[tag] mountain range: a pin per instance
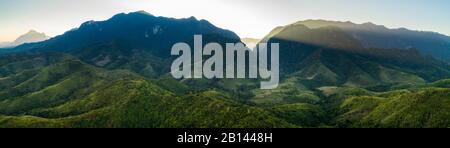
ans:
(377, 36)
(115, 73)
(330, 56)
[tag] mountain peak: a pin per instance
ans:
(35, 33)
(31, 36)
(347, 24)
(325, 21)
(32, 31)
(319, 23)
(192, 18)
(369, 23)
(372, 25)
(142, 12)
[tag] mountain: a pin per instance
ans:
(136, 41)
(329, 56)
(31, 37)
(115, 73)
(377, 36)
(140, 29)
(98, 76)
(354, 85)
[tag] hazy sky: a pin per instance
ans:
(248, 18)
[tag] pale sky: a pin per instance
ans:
(248, 18)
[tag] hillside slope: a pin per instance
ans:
(74, 94)
(427, 108)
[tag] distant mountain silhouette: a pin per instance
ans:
(31, 36)
(377, 36)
